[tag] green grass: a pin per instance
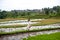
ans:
(14, 32)
(46, 22)
(37, 16)
(11, 19)
(40, 23)
(24, 31)
(25, 17)
(13, 26)
(53, 36)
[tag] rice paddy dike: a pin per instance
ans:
(17, 29)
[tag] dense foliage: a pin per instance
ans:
(35, 13)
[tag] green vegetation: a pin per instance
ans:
(35, 13)
(40, 23)
(46, 22)
(53, 36)
(13, 32)
(13, 26)
(51, 16)
(12, 19)
(25, 31)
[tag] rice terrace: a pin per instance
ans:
(29, 20)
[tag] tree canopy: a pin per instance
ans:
(55, 11)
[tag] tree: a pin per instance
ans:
(57, 9)
(3, 14)
(46, 11)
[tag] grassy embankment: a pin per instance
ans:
(26, 17)
(46, 22)
(11, 19)
(14, 26)
(31, 17)
(25, 31)
(53, 36)
(40, 23)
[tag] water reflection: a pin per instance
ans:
(32, 27)
(25, 35)
(15, 22)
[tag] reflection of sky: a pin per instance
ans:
(27, 4)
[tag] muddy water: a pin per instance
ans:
(20, 36)
(32, 27)
(13, 22)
